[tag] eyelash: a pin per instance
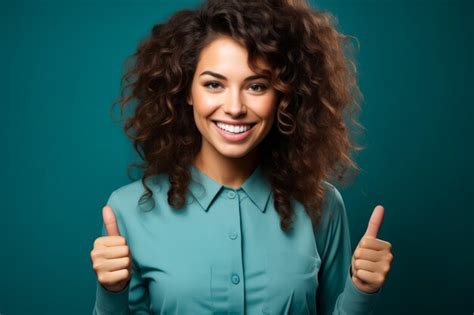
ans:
(263, 87)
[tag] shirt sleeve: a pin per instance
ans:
(134, 298)
(337, 294)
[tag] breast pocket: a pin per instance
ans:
(291, 282)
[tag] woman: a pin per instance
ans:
(239, 121)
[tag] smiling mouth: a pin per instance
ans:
(233, 129)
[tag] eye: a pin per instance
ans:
(258, 87)
(212, 85)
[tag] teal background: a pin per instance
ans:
(63, 154)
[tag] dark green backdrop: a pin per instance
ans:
(62, 155)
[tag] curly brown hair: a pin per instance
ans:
(312, 71)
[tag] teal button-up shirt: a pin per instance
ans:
(225, 253)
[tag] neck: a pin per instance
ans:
(231, 172)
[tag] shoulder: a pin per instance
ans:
(333, 203)
(126, 205)
(333, 217)
(129, 195)
(331, 193)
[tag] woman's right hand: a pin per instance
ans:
(111, 257)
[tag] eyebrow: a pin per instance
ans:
(220, 76)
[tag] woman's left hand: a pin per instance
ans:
(372, 258)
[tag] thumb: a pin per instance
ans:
(110, 222)
(375, 222)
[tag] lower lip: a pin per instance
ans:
(232, 137)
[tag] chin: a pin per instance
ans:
(234, 154)
(233, 151)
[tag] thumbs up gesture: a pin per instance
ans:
(372, 258)
(111, 257)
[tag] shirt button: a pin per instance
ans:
(233, 235)
(235, 278)
(231, 194)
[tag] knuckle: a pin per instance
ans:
(95, 253)
(102, 278)
(357, 264)
(123, 275)
(97, 266)
(127, 261)
(99, 242)
(390, 257)
(358, 252)
(380, 279)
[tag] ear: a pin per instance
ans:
(189, 100)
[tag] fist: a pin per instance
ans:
(111, 258)
(372, 258)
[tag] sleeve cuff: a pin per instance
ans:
(112, 302)
(358, 300)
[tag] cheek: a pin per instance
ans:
(204, 103)
(266, 110)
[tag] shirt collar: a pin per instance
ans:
(205, 189)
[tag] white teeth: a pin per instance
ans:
(233, 128)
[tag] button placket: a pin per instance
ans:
(236, 272)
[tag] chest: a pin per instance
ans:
(233, 259)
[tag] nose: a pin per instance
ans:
(233, 105)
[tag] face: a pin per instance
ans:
(233, 108)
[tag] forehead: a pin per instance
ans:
(226, 55)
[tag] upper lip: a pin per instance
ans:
(235, 123)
